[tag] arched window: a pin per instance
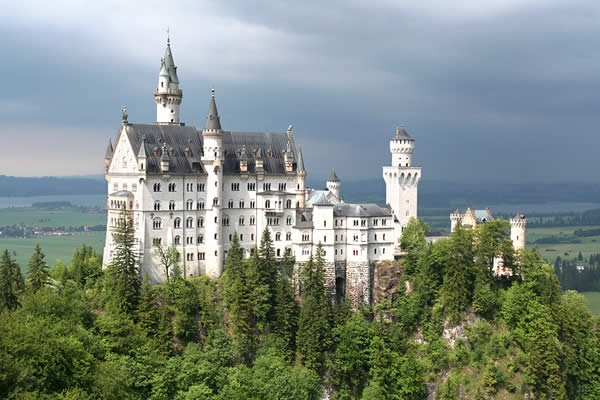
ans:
(172, 205)
(156, 223)
(200, 205)
(288, 220)
(288, 204)
(157, 205)
(268, 204)
(177, 223)
(177, 240)
(189, 205)
(216, 201)
(201, 239)
(157, 187)
(189, 223)
(201, 222)
(278, 236)
(242, 220)
(288, 236)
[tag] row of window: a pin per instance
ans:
(200, 187)
(199, 205)
(363, 222)
(125, 187)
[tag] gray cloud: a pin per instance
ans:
(493, 90)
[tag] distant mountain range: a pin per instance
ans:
(432, 194)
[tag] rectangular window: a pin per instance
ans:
(134, 187)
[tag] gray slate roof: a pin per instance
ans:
(212, 119)
(360, 210)
(109, 150)
(170, 64)
(401, 134)
(180, 137)
(333, 177)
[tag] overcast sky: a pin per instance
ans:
(491, 90)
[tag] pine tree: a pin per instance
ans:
(38, 269)
(236, 290)
(11, 283)
(147, 312)
(313, 338)
(286, 309)
(459, 276)
(123, 282)
(267, 265)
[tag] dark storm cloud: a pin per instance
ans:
(492, 91)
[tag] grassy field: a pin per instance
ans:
(593, 301)
(588, 245)
(55, 247)
(38, 216)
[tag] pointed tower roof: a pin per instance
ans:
(170, 64)
(142, 152)
(333, 177)
(300, 165)
(401, 134)
(109, 150)
(163, 69)
(213, 122)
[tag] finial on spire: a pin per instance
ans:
(124, 113)
(212, 92)
(398, 131)
(168, 37)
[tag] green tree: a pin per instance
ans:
(147, 311)
(286, 309)
(457, 288)
(351, 357)
(313, 338)
(38, 269)
(268, 265)
(11, 282)
(123, 281)
(170, 259)
(413, 242)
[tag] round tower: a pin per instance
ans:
(212, 159)
(455, 218)
(168, 95)
(518, 231)
(401, 147)
(333, 184)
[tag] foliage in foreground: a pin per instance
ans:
(76, 334)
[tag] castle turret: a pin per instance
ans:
(141, 157)
(333, 184)
(401, 181)
(168, 95)
(455, 218)
(212, 159)
(402, 147)
(300, 180)
(518, 231)
(108, 156)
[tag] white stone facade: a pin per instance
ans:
(194, 189)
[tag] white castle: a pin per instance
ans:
(194, 188)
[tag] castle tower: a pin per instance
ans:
(518, 231)
(455, 218)
(401, 181)
(168, 95)
(333, 184)
(213, 164)
(300, 180)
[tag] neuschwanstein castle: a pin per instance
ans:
(193, 188)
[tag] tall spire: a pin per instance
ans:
(300, 164)
(213, 122)
(142, 152)
(109, 150)
(169, 63)
(333, 177)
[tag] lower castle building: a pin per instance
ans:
(195, 188)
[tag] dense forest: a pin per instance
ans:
(582, 274)
(451, 330)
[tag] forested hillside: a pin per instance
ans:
(451, 330)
